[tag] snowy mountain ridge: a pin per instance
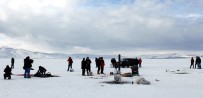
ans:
(7, 52)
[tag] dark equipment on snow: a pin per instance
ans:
(42, 73)
(128, 62)
(119, 62)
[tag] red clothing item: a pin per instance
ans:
(70, 61)
(140, 61)
(101, 63)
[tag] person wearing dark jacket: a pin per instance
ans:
(83, 66)
(136, 62)
(97, 62)
(42, 70)
(12, 63)
(98, 65)
(70, 62)
(27, 66)
(198, 62)
(134, 67)
(88, 65)
(101, 63)
(140, 62)
(113, 61)
(192, 63)
(7, 73)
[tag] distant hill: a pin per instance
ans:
(7, 52)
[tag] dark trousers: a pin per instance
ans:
(7, 75)
(88, 70)
(192, 65)
(98, 71)
(69, 66)
(102, 69)
(198, 66)
(27, 73)
(83, 71)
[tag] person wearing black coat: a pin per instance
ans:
(27, 67)
(88, 65)
(134, 67)
(42, 70)
(198, 62)
(113, 61)
(83, 66)
(7, 73)
(98, 65)
(97, 62)
(192, 63)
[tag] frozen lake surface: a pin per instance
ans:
(74, 85)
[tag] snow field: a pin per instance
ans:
(74, 85)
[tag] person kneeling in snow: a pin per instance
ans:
(7, 71)
(41, 72)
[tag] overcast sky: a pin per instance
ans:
(102, 26)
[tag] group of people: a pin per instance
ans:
(138, 62)
(27, 67)
(100, 65)
(86, 65)
(196, 63)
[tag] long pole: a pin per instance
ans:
(119, 62)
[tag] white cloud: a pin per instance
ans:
(3, 15)
(77, 26)
(21, 44)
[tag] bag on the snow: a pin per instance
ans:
(142, 81)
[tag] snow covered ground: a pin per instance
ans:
(74, 85)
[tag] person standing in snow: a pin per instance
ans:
(70, 62)
(113, 62)
(134, 67)
(192, 63)
(96, 62)
(12, 63)
(27, 66)
(83, 66)
(101, 63)
(98, 65)
(88, 65)
(198, 62)
(140, 62)
(136, 62)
